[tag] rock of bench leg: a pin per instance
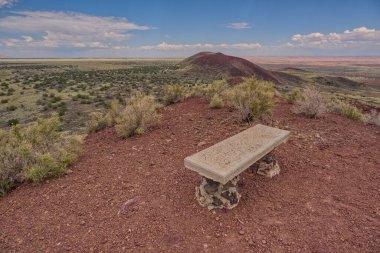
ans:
(268, 167)
(212, 194)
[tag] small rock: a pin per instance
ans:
(264, 242)
(241, 232)
(82, 222)
(202, 143)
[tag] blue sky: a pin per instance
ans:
(115, 28)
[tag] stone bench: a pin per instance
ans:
(221, 164)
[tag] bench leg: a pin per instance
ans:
(213, 194)
(268, 167)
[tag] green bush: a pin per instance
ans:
(34, 152)
(216, 102)
(346, 110)
(252, 98)
(140, 110)
(294, 95)
(313, 103)
(11, 108)
(13, 122)
(173, 93)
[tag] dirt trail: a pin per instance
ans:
(326, 199)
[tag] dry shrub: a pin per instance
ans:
(114, 113)
(294, 95)
(252, 98)
(217, 87)
(313, 103)
(140, 110)
(346, 110)
(372, 118)
(173, 93)
(97, 122)
(216, 102)
(198, 90)
(34, 152)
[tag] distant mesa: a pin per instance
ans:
(218, 66)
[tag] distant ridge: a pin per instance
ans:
(218, 65)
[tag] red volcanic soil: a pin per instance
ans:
(135, 195)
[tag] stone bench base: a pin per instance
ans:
(268, 167)
(212, 194)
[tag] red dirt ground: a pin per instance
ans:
(326, 199)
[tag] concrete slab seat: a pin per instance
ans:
(221, 164)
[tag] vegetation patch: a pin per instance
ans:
(252, 98)
(173, 93)
(372, 118)
(347, 110)
(294, 95)
(34, 152)
(313, 103)
(133, 119)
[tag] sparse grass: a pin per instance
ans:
(34, 152)
(346, 110)
(139, 111)
(313, 103)
(253, 98)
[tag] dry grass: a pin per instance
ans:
(347, 110)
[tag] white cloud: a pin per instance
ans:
(357, 37)
(207, 46)
(66, 29)
(238, 26)
(7, 2)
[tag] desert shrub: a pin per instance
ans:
(173, 93)
(216, 102)
(346, 110)
(294, 95)
(97, 122)
(252, 98)
(34, 152)
(198, 90)
(217, 87)
(4, 101)
(140, 110)
(114, 113)
(13, 122)
(11, 108)
(372, 118)
(313, 103)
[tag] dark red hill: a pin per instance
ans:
(218, 65)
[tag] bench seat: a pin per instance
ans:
(230, 157)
